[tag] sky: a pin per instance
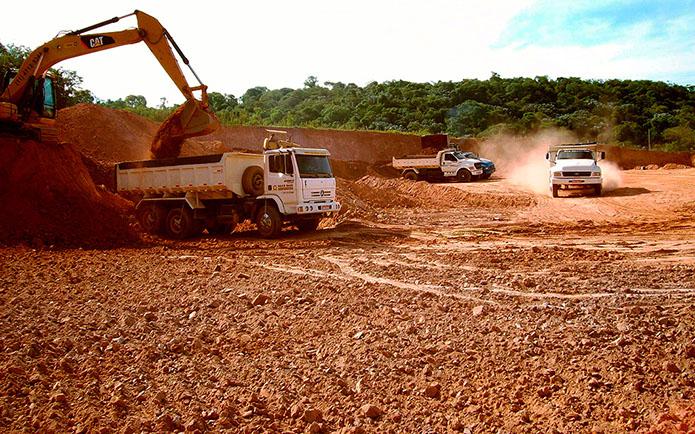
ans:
(237, 45)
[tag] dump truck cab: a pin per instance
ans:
(575, 167)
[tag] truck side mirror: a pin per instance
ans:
(547, 155)
(603, 155)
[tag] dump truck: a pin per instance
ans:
(449, 164)
(574, 167)
(181, 197)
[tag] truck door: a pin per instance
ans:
(281, 178)
(449, 164)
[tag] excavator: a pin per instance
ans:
(27, 96)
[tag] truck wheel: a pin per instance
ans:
(486, 176)
(268, 221)
(179, 223)
(597, 190)
(463, 175)
(556, 189)
(252, 180)
(411, 176)
(151, 218)
(308, 225)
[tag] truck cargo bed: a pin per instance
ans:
(207, 173)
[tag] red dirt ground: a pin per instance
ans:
(479, 307)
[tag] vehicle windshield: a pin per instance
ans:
(463, 155)
(314, 166)
(575, 155)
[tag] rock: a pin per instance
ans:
(118, 402)
(260, 300)
(314, 428)
(433, 391)
(312, 415)
(359, 386)
(478, 310)
(371, 411)
(529, 282)
(243, 276)
(192, 314)
(150, 316)
(671, 367)
(59, 397)
(296, 411)
(161, 396)
(544, 392)
(690, 352)
(218, 267)
(455, 424)
(358, 335)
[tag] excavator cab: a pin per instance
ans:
(39, 97)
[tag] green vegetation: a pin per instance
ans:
(623, 112)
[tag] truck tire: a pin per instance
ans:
(252, 181)
(151, 218)
(179, 223)
(556, 189)
(308, 225)
(597, 190)
(268, 221)
(411, 176)
(485, 176)
(463, 175)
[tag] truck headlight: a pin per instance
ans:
(595, 173)
(557, 174)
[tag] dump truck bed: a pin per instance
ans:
(207, 173)
(416, 161)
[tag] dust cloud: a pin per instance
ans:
(522, 159)
(612, 175)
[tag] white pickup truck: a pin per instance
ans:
(574, 167)
(448, 164)
(183, 196)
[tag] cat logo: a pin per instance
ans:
(96, 41)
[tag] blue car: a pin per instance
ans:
(488, 165)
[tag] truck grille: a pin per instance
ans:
(576, 173)
(317, 194)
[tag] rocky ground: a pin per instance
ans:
(507, 311)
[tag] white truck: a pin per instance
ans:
(288, 185)
(574, 167)
(448, 164)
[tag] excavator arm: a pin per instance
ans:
(193, 118)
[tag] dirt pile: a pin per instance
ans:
(104, 134)
(389, 193)
(108, 136)
(49, 197)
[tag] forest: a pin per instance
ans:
(633, 113)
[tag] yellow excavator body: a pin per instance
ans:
(19, 101)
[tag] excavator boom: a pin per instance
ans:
(193, 119)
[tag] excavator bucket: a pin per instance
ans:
(191, 119)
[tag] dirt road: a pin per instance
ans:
(509, 311)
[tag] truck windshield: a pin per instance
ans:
(575, 155)
(463, 155)
(314, 166)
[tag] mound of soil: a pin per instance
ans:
(672, 166)
(49, 197)
(104, 134)
(388, 193)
